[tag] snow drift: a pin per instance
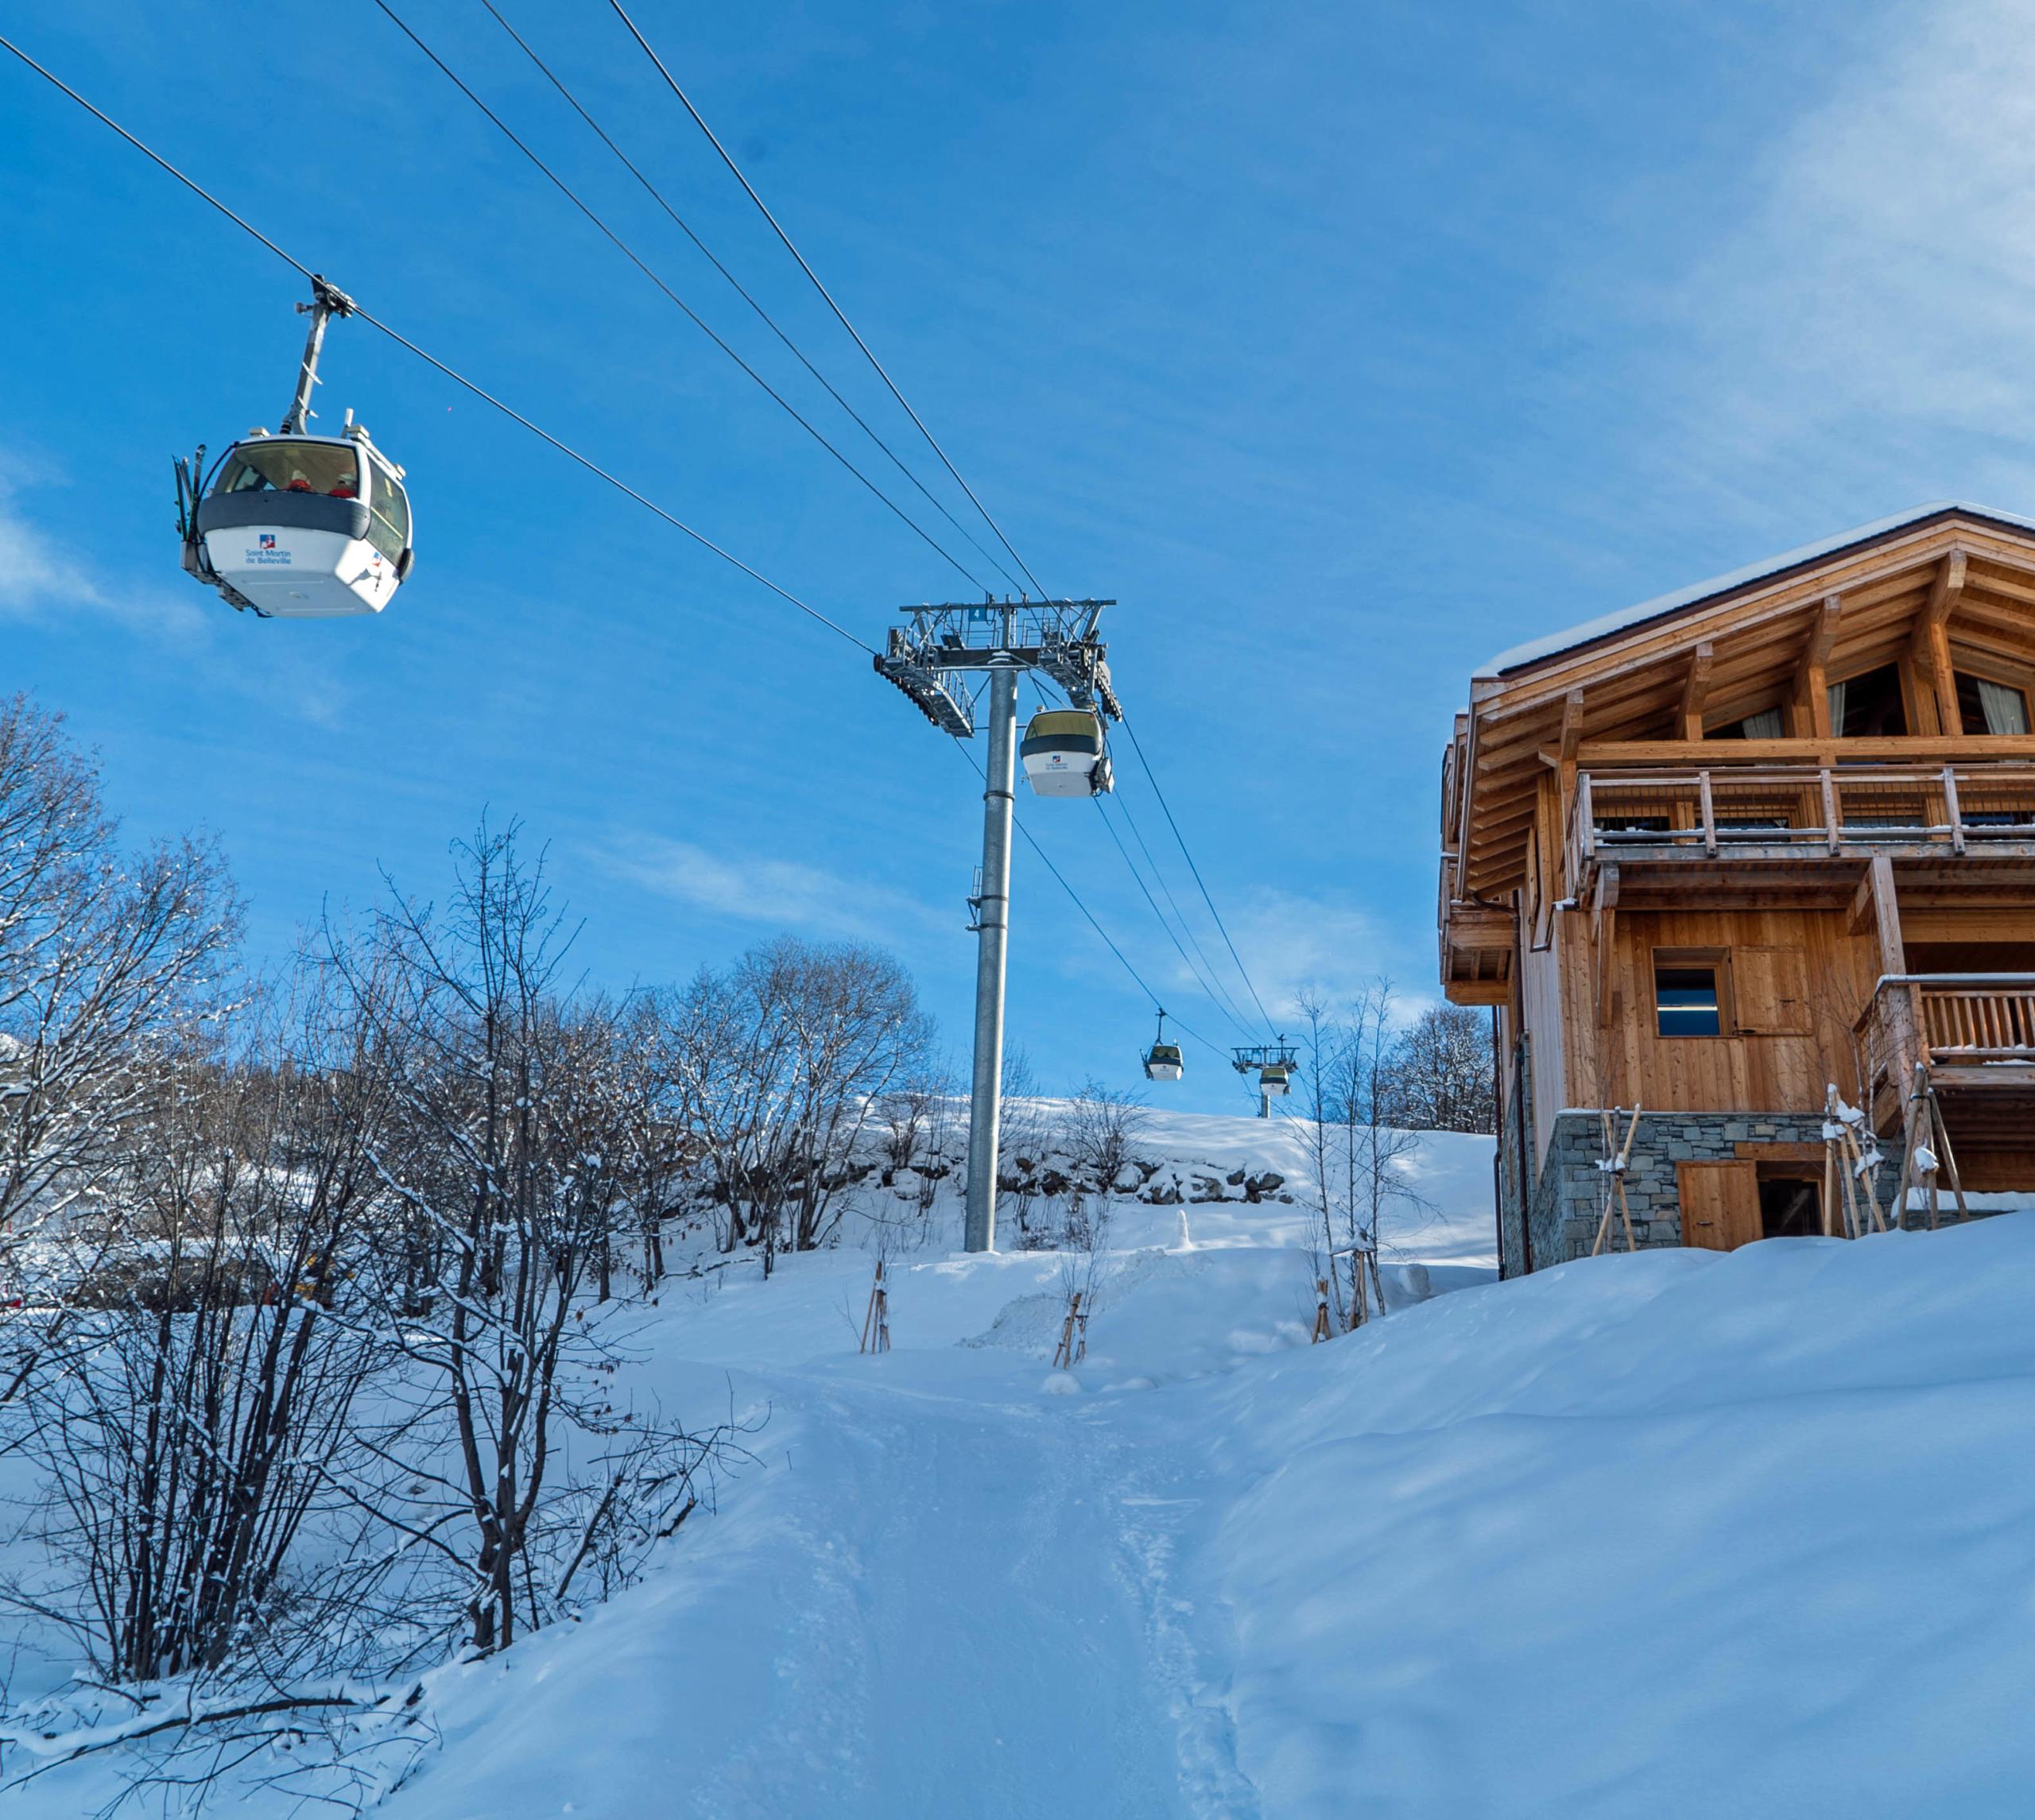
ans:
(1676, 1534)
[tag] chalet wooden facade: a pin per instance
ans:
(1716, 854)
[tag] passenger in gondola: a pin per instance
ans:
(298, 482)
(346, 489)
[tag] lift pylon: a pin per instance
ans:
(930, 658)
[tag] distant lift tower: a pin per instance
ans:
(928, 659)
(1274, 1064)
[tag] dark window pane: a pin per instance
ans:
(287, 466)
(1686, 998)
(1987, 707)
(388, 509)
(1868, 707)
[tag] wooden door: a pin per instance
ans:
(1720, 1204)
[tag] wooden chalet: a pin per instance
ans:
(1717, 854)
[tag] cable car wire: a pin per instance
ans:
(1146, 765)
(1207, 975)
(1199, 978)
(1228, 999)
(1031, 840)
(672, 82)
(649, 504)
(678, 221)
(457, 378)
(629, 253)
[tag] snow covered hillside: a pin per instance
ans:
(1681, 1534)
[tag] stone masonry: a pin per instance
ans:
(1568, 1200)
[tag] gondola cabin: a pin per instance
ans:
(1064, 754)
(1164, 1062)
(302, 527)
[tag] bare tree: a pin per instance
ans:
(1441, 1072)
(1100, 1130)
(511, 1131)
(107, 960)
(196, 1426)
(916, 1118)
(1324, 1044)
(1023, 1133)
(660, 1146)
(785, 1059)
(1375, 1151)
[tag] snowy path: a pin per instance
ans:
(949, 1599)
(990, 1650)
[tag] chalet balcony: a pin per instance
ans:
(1789, 815)
(1976, 1034)
(1476, 945)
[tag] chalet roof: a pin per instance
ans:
(1625, 619)
(1945, 580)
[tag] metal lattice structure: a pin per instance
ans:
(930, 657)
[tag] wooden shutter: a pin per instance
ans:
(1720, 1204)
(1770, 992)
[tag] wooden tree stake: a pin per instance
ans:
(1073, 1337)
(1614, 1166)
(876, 1323)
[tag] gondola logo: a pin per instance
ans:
(265, 550)
(268, 540)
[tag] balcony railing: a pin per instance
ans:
(1983, 1025)
(1790, 811)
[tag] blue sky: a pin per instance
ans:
(1342, 345)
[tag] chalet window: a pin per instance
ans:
(1868, 707)
(1767, 724)
(1987, 707)
(1688, 994)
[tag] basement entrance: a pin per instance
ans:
(1726, 1205)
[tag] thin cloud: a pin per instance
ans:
(40, 581)
(750, 888)
(1293, 943)
(31, 574)
(1874, 307)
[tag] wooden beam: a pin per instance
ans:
(1859, 918)
(1604, 933)
(1811, 692)
(1572, 727)
(1886, 915)
(1921, 752)
(1930, 647)
(1695, 689)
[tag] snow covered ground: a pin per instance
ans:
(1680, 1533)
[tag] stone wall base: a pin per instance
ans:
(1568, 1199)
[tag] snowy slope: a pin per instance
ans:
(1673, 1535)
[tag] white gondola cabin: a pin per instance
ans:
(304, 527)
(1063, 753)
(1163, 1061)
(299, 526)
(1275, 1080)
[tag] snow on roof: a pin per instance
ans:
(1535, 649)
